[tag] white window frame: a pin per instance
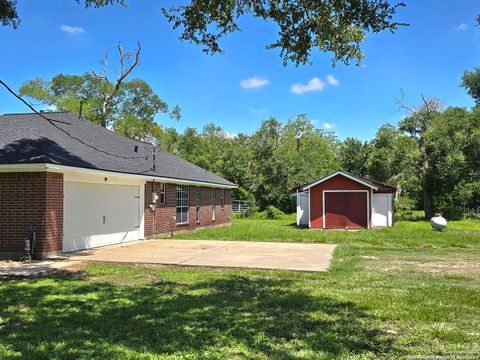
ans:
(163, 197)
(222, 199)
(184, 191)
(197, 204)
(214, 203)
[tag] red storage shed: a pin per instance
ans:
(344, 201)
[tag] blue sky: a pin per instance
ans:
(249, 83)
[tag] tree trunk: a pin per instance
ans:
(398, 193)
(428, 203)
(105, 103)
(427, 192)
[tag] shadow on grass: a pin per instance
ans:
(63, 317)
(294, 225)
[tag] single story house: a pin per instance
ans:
(78, 185)
(344, 201)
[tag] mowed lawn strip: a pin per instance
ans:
(461, 234)
(389, 294)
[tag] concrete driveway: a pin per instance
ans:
(236, 254)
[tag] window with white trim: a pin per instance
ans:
(182, 204)
(197, 204)
(162, 193)
(214, 203)
(222, 199)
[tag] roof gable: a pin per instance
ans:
(341, 173)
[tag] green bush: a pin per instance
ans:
(409, 215)
(273, 213)
(452, 213)
(472, 216)
(406, 203)
(251, 211)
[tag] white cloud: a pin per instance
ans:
(72, 29)
(254, 82)
(230, 136)
(314, 84)
(332, 80)
(329, 125)
(461, 27)
(257, 110)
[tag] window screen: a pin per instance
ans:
(182, 204)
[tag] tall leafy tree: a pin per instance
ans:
(471, 83)
(353, 156)
(453, 141)
(471, 80)
(127, 105)
(287, 155)
(394, 158)
(417, 124)
(338, 27)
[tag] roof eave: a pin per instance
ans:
(60, 168)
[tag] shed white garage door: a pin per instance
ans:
(100, 214)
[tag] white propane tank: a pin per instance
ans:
(438, 222)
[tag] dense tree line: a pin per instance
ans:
(432, 156)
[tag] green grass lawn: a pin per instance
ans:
(391, 293)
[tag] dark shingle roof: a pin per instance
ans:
(28, 138)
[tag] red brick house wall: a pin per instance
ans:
(36, 199)
(165, 213)
(338, 182)
(31, 199)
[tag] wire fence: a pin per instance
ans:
(473, 212)
(239, 206)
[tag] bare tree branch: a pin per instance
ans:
(401, 104)
(103, 77)
(125, 70)
(124, 73)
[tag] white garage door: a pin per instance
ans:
(100, 214)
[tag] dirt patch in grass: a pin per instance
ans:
(436, 267)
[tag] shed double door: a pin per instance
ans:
(346, 210)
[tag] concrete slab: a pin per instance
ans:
(13, 269)
(236, 254)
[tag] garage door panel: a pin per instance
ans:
(335, 210)
(356, 210)
(99, 215)
(345, 210)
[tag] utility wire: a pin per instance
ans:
(53, 121)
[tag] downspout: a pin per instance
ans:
(153, 203)
(154, 208)
(30, 240)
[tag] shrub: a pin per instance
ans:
(472, 216)
(409, 215)
(452, 213)
(406, 203)
(251, 211)
(273, 213)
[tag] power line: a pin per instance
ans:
(53, 121)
